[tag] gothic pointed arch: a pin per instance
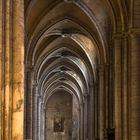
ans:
(66, 46)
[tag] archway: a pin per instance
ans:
(65, 54)
(58, 116)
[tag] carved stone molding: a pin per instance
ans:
(130, 32)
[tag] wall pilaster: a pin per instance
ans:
(11, 69)
(135, 86)
(102, 100)
(121, 87)
(18, 69)
(1, 97)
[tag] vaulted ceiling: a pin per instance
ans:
(66, 40)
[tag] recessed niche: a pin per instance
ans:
(58, 124)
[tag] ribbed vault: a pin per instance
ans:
(70, 60)
(66, 42)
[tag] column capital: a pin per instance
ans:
(134, 31)
(120, 35)
(81, 104)
(125, 34)
(35, 83)
(85, 94)
(85, 97)
(39, 96)
(102, 67)
(29, 68)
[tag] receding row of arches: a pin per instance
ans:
(67, 70)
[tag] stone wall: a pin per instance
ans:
(124, 89)
(59, 107)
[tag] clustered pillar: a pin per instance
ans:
(11, 69)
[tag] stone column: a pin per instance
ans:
(81, 121)
(28, 102)
(107, 96)
(121, 86)
(125, 88)
(42, 121)
(39, 118)
(135, 85)
(34, 110)
(118, 87)
(85, 115)
(8, 72)
(7, 69)
(11, 69)
(1, 55)
(102, 100)
(111, 89)
(91, 112)
(134, 60)
(96, 111)
(18, 69)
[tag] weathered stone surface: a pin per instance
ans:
(92, 35)
(59, 107)
(11, 94)
(135, 88)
